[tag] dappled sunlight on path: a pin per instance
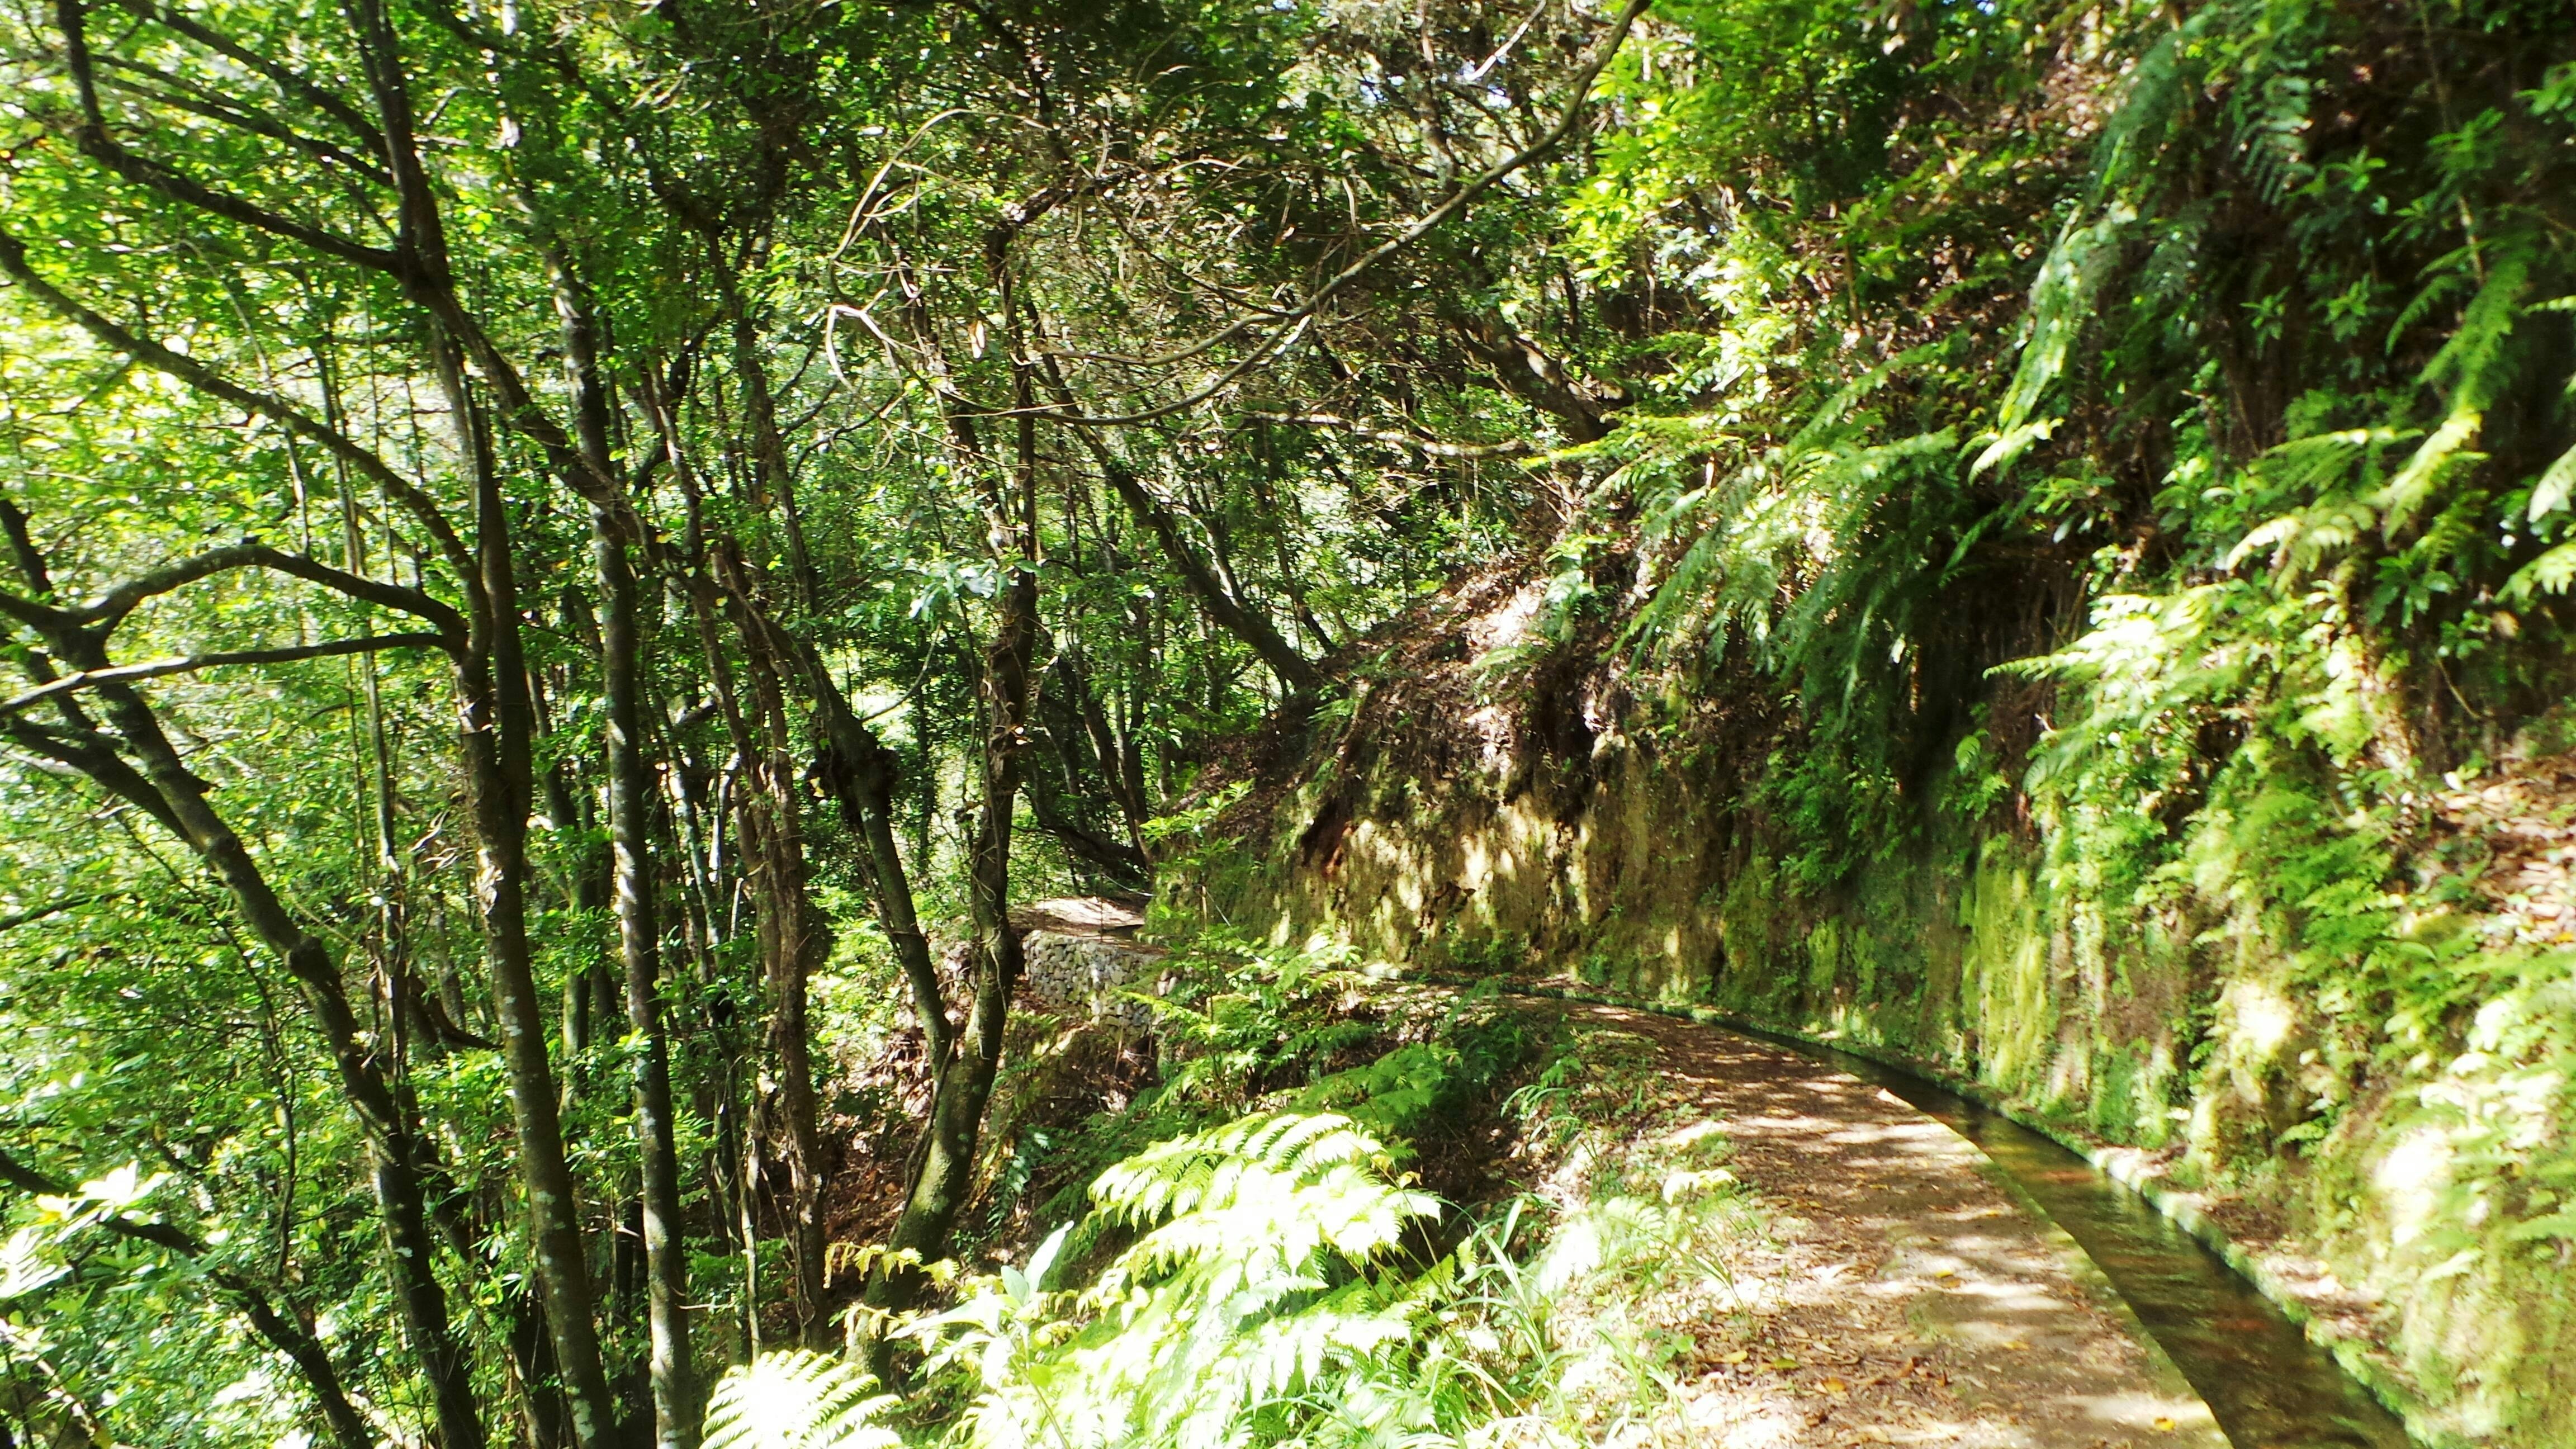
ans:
(1908, 1296)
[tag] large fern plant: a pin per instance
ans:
(798, 1400)
(1271, 1291)
(1264, 1301)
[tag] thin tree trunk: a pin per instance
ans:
(498, 772)
(860, 773)
(925, 805)
(734, 1150)
(793, 931)
(1125, 773)
(965, 1082)
(630, 836)
(532, 1370)
(494, 723)
(851, 762)
(965, 1085)
(1229, 612)
(792, 935)
(630, 794)
(580, 1019)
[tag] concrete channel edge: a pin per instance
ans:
(2120, 1164)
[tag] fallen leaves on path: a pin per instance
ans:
(1885, 1291)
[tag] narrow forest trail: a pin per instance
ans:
(1906, 1295)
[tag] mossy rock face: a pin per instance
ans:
(2424, 1171)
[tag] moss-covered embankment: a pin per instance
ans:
(2349, 1033)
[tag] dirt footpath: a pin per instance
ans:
(1908, 1296)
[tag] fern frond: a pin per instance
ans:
(2061, 305)
(2555, 486)
(1260, 1286)
(2550, 573)
(798, 1400)
(2472, 368)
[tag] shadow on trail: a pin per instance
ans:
(2269, 1386)
(1962, 1264)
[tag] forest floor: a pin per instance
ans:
(1900, 1292)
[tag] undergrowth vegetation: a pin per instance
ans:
(1266, 1265)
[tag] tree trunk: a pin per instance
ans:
(495, 727)
(792, 935)
(1119, 763)
(730, 1180)
(630, 796)
(630, 837)
(860, 772)
(532, 1374)
(1229, 613)
(965, 1081)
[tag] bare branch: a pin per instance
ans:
(100, 616)
(447, 621)
(22, 547)
(94, 757)
(82, 633)
(187, 95)
(30, 613)
(284, 78)
(349, 1428)
(1432, 447)
(109, 609)
(190, 663)
(49, 910)
(1292, 321)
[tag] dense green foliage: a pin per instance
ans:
(2091, 600)
(569, 569)
(1284, 1277)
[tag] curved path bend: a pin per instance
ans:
(1910, 1295)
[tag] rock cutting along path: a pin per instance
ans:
(1911, 1294)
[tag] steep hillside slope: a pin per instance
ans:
(2352, 1028)
(2095, 627)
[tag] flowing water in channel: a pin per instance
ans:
(2269, 1386)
